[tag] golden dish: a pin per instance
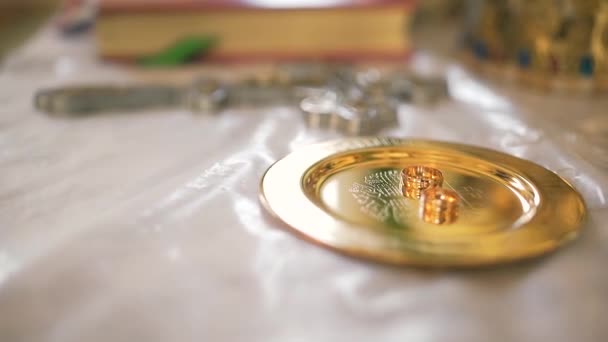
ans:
(349, 195)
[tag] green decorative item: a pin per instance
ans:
(183, 51)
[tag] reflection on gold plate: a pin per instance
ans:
(349, 195)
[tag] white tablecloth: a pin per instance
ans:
(147, 227)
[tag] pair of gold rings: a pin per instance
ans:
(437, 204)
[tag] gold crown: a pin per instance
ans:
(545, 40)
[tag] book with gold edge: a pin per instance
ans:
(259, 30)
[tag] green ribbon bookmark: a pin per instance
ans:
(181, 52)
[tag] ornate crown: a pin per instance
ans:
(548, 42)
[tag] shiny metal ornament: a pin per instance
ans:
(362, 116)
(319, 111)
(491, 207)
(93, 99)
(357, 119)
(429, 90)
(207, 96)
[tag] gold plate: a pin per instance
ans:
(347, 195)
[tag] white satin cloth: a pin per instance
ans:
(147, 226)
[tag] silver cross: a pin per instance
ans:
(333, 97)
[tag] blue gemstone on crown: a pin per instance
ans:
(480, 50)
(586, 66)
(524, 59)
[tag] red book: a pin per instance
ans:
(253, 30)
